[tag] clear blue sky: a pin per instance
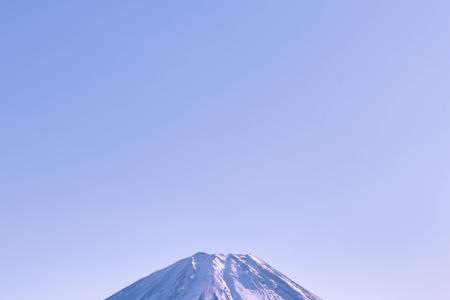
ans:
(315, 134)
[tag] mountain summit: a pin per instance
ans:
(216, 277)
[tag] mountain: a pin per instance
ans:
(216, 277)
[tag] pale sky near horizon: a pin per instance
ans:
(314, 134)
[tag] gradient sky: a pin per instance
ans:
(314, 134)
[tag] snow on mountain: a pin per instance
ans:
(216, 277)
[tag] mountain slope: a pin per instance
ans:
(216, 277)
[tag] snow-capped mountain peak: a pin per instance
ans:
(205, 276)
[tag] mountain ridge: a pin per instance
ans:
(205, 276)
